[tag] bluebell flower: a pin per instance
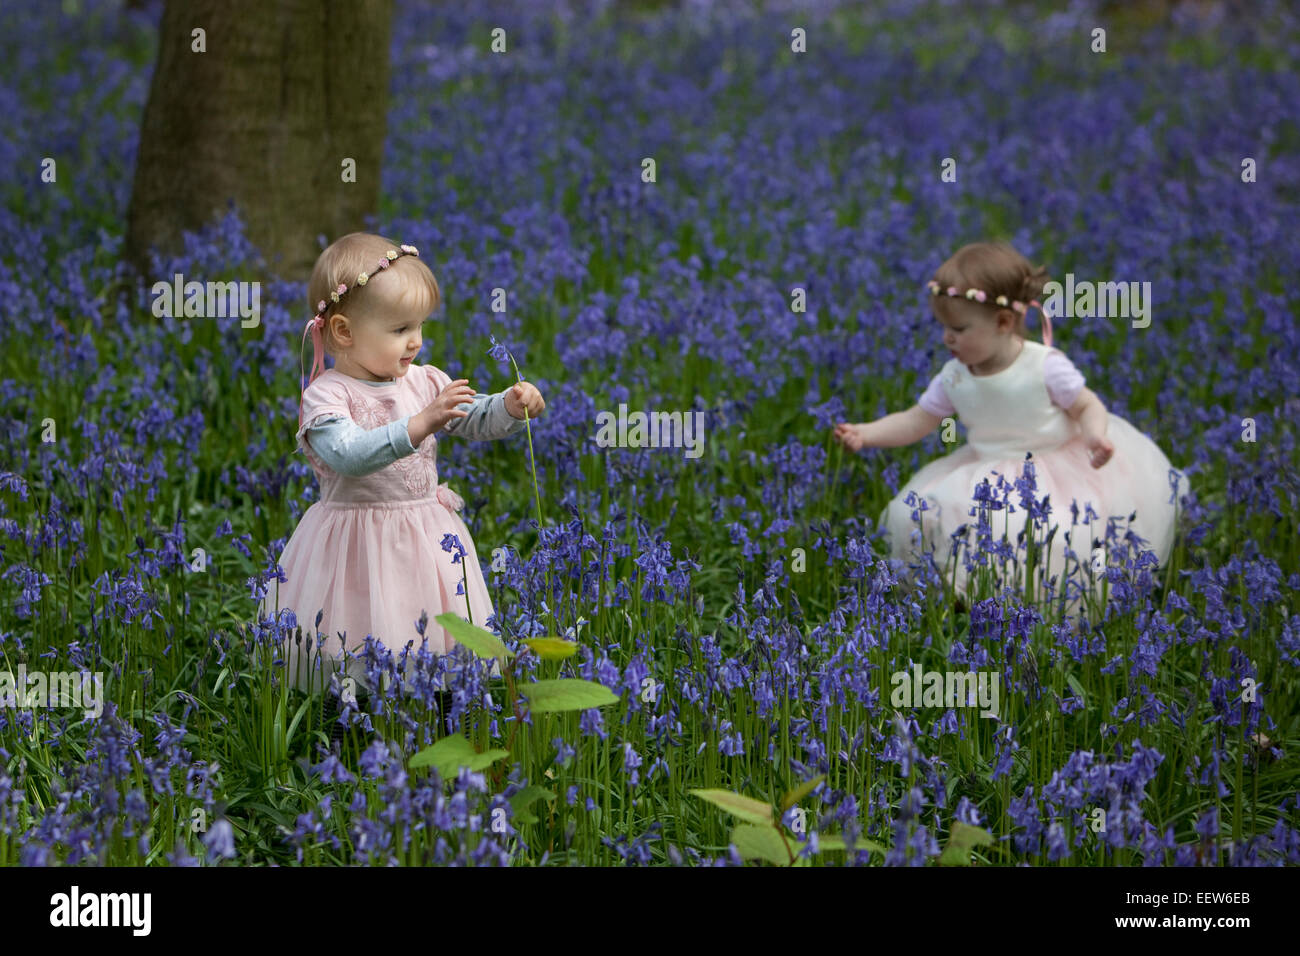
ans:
(331, 770)
(220, 840)
(498, 351)
(451, 542)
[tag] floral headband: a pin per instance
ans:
(979, 295)
(316, 324)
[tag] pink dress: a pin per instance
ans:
(369, 552)
(1011, 413)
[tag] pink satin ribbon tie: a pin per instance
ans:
(318, 357)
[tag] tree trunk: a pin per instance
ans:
(286, 91)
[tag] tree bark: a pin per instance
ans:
(286, 91)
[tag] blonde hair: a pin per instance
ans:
(344, 260)
(998, 269)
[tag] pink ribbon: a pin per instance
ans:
(449, 498)
(314, 325)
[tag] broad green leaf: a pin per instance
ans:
(448, 753)
(570, 693)
(552, 648)
(745, 808)
(798, 793)
(481, 642)
(831, 843)
(487, 758)
(760, 843)
(961, 840)
(451, 753)
(525, 798)
(523, 814)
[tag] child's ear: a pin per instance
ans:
(340, 328)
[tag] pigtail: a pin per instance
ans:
(1031, 290)
(1032, 285)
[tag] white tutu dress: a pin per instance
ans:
(1008, 415)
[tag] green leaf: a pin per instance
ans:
(829, 843)
(451, 753)
(798, 793)
(1076, 687)
(297, 719)
(551, 648)
(961, 840)
(525, 798)
(760, 843)
(745, 808)
(481, 642)
(570, 693)
(276, 815)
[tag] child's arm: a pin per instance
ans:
(500, 415)
(354, 451)
(351, 450)
(1092, 417)
(899, 428)
(487, 419)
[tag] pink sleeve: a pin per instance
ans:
(323, 397)
(935, 400)
(1064, 381)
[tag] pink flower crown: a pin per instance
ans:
(362, 278)
(979, 295)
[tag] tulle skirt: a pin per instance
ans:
(373, 569)
(1136, 482)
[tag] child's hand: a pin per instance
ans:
(1099, 449)
(851, 436)
(524, 395)
(443, 409)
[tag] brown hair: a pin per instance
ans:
(344, 260)
(998, 269)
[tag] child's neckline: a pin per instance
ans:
(352, 378)
(1012, 364)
